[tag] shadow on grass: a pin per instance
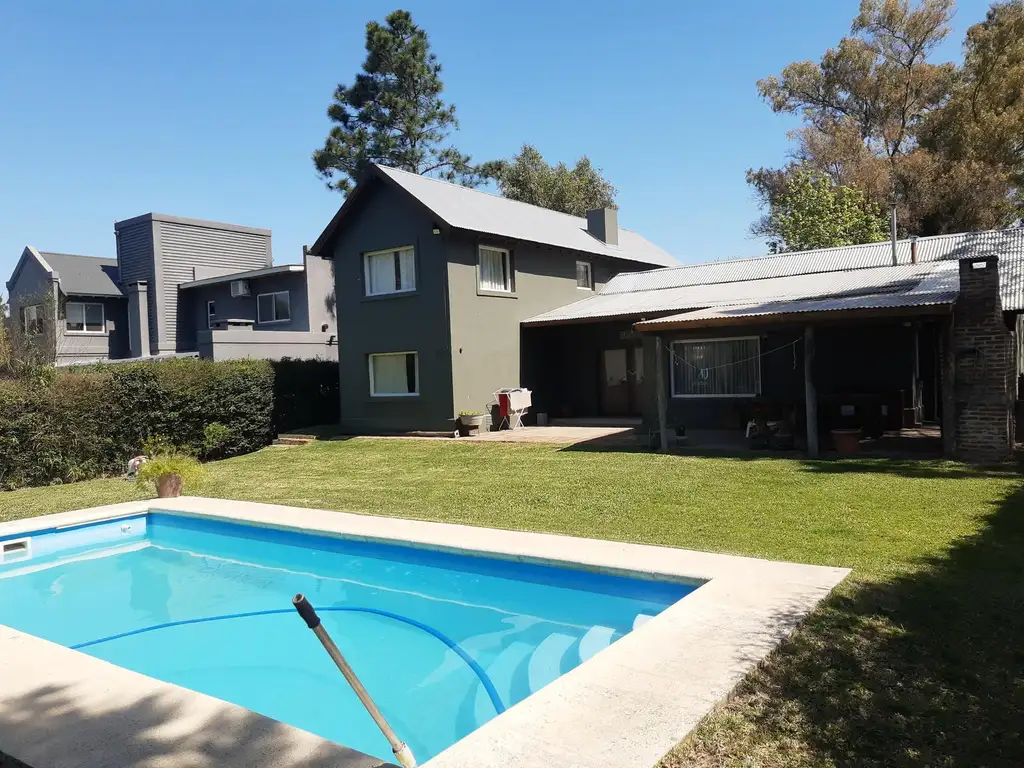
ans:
(50, 725)
(924, 670)
(906, 467)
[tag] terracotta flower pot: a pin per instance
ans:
(168, 486)
(846, 440)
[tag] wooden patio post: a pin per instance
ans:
(810, 395)
(662, 399)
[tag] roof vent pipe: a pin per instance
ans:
(913, 250)
(895, 261)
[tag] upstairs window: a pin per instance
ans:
(32, 319)
(716, 368)
(273, 308)
(495, 270)
(390, 271)
(80, 317)
(584, 278)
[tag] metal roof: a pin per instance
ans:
(936, 286)
(806, 275)
(84, 275)
(1007, 243)
(247, 275)
(470, 209)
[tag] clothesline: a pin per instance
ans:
(734, 362)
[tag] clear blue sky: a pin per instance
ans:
(211, 109)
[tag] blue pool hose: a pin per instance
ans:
(485, 681)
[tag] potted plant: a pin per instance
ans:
(168, 472)
(470, 422)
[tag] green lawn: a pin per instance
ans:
(918, 659)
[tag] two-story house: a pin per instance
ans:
(177, 286)
(433, 280)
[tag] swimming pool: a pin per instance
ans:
(443, 641)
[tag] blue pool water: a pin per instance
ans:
(443, 642)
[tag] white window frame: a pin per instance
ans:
(672, 368)
(261, 321)
(83, 305)
(590, 276)
(394, 253)
(211, 315)
(511, 278)
(416, 364)
(37, 317)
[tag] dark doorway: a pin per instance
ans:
(621, 381)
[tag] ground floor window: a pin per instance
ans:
(32, 319)
(716, 367)
(395, 374)
(80, 317)
(211, 313)
(273, 308)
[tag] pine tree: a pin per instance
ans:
(393, 113)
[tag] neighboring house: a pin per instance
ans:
(827, 339)
(178, 286)
(433, 279)
(77, 296)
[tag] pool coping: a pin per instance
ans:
(626, 706)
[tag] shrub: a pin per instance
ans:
(184, 466)
(88, 421)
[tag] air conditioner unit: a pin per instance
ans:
(239, 288)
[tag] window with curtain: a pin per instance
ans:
(495, 270)
(84, 318)
(716, 368)
(390, 271)
(394, 374)
(273, 307)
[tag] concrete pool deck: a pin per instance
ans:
(627, 706)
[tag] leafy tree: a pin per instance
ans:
(810, 211)
(393, 113)
(527, 177)
(878, 117)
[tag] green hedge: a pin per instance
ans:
(88, 421)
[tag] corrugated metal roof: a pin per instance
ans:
(84, 275)
(805, 275)
(471, 209)
(939, 285)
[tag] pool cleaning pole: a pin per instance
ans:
(402, 752)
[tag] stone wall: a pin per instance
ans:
(984, 366)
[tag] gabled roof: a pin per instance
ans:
(863, 270)
(84, 275)
(470, 209)
(76, 275)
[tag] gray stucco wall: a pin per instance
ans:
(192, 306)
(485, 329)
(112, 344)
(410, 322)
(322, 307)
(233, 344)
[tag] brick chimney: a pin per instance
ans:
(603, 223)
(984, 366)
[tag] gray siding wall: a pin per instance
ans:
(179, 248)
(135, 262)
(112, 344)
(485, 329)
(192, 306)
(411, 322)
